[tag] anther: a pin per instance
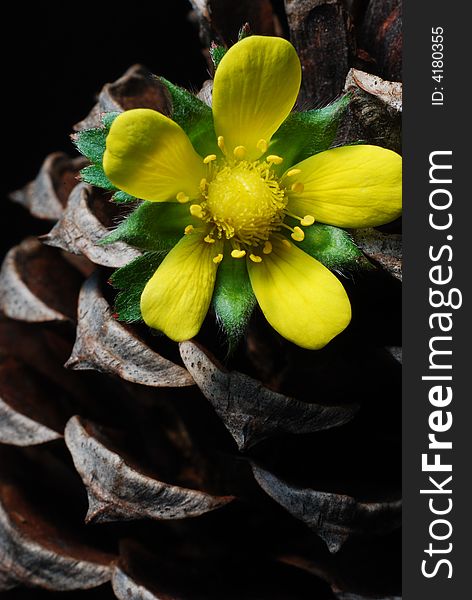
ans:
(182, 197)
(267, 248)
(196, 211)
(293, 172)
(238, 253)
(189, 229)
(307, 220)
(218, 258)
(239, 152)
(286, 243)
(203, 184)
(209, 240)
(298, 234)
(255, 258)
(262, 145)
(209, 158)
(298, 187)
(221, 143)
(274, 159)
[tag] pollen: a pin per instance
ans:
(267, 247)
(286, 243)
(182, 197)
(276, 160)
(221, 143)
(218, 258)
(210, 158)
(189, 229)
(238, 253)
(196, 211)
(239, 152)
(203, 184)
(262, 146)
(209, 240)
(293, 172)
(298, 235)
(297, 187)
(307, 220)
(255, 258)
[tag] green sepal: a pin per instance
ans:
(153, 226)
(303, 134)
(216, 53)
(91, 143)
(122, 197)
(131, 280)
(95, 175)
(233, 299)
(195, 118)
(333, 247)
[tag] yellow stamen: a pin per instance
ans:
(218, 258)
(182, 197)
(267, 248)
(221, 143)
(189, 229)
(307, 220)
(209, 158)
(255, 258)
(286, 243)
(298, 234)
(239, 152)
(209, 240)
(238, 253)
(293, 172)
(273, 158)
(203, 184)
(262, 145)
(196, 211)
(298, 187)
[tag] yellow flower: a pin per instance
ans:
(240, 205)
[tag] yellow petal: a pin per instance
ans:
(299, 296)
(256, 85)
(176, 298)
(352, 186)
(149, 156)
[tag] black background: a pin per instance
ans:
(57, 56)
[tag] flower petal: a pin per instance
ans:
(150, 157)
(256, 85)
(351, 186)
(176, 298)
(300, 297)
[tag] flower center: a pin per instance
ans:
(245, 203)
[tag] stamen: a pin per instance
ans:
(293, 172)
(189, 229)
(182, 197)
(262, 145)
(255, 258)
(274, 159)
(209, 158)
(297, 187)
(203, 184)
(218, 258)
(196, 211)
(267, 248)
(221, 143)
(307, 220)
(209, 240)
(239, 152)
(238, 253)
(298, 235)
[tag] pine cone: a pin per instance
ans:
(175, 471)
